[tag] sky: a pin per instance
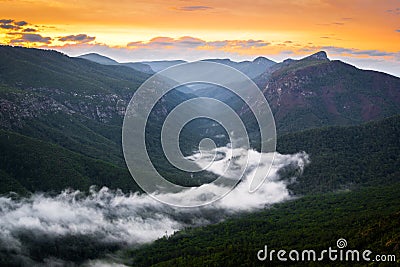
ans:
(365, 33)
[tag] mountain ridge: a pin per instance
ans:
(252, 68)
(315, 91)
(79, 105)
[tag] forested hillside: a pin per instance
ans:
(368, 218)
(31, 165)
(351, 187)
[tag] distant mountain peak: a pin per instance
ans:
(321, 55)
(261, 59)
(288, 60)
(99, 59)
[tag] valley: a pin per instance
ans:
(336, 172)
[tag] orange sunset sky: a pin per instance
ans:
(364, 33)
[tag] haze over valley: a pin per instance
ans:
(69, 199)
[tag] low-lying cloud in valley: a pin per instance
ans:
(106, 220)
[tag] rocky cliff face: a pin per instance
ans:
(17, 107)
(315, 91)
(35, 83)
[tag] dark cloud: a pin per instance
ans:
(29, 30)
(6, 21)
(12, 25)
(398, 30)
(80, 38)
(21, 23)
(6, 24)
(9, 27)
(31, 38)
(194, 8)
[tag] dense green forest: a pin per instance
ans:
(368, 218)
(28, 164)
(347, 157)
(351, 189)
